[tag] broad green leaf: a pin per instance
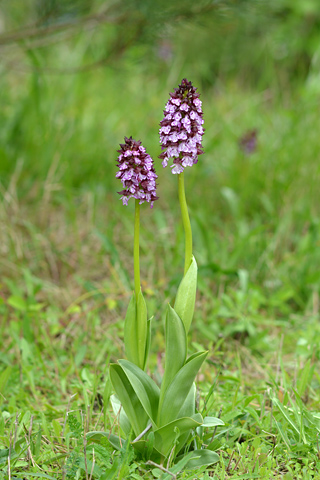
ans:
(212, 422)
(200, 458)
(189, 405)
(145, 448)
(176, 349)
(128, 398)
(194, 355)
(141, 447)
(144, 387)
(150, 444)
(179, 388)
(186, 295)
(164, 436)
(119, 411)
(114, 440)
(187, 410)
(136, 330)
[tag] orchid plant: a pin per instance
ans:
(161, 421)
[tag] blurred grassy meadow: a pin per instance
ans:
(75, 78)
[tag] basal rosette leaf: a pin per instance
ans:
(135, 412)
(212, 422)
(145, 446)
(176, 349)
(209, 422)
(179, 389)
(164, 436)
(186, 295)
(148, 342)
(189, 405)
(188, 409)
(136, 330)
(144, 387)
(200, 458)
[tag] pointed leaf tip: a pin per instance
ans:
(186, 295)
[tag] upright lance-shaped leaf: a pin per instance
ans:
(128, 398)
(145, 388)
(148, 342)
(186, 295)
(176, 349)
(136, 330)
(187, 410)
(179, 389)
(189, 405)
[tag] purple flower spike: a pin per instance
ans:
(181, 128)
(136, 171)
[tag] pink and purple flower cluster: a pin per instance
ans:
(137, 173)
(181, 128)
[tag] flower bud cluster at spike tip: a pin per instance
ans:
(181, 128)
(136, 171)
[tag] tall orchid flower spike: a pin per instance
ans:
(138, 176)
(181, 128)
(181, 140)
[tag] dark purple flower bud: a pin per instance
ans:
(181, 128)
(136, 171)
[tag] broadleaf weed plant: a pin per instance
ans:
(162, 422)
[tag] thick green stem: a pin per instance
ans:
(186, 222)
(136, 260)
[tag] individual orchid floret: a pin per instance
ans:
(181, 128)
(136, 172)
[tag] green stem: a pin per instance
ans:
(186, 222)
(136, 261)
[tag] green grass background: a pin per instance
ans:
(67, 100)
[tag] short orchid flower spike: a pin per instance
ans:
(181, 128)
(136, 172)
